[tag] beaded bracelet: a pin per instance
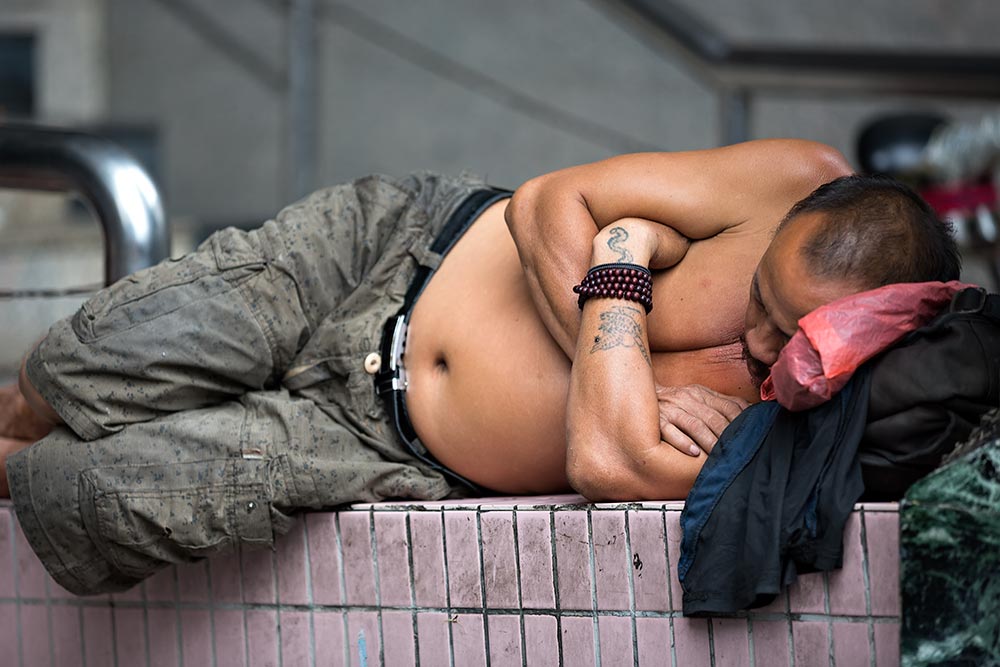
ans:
(617, 281)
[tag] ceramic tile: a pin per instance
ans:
(770, 643)
(468, 637)
(429, 585)
(97, 646)
(291, 566)
(573, 561)
(393, 559)
(227, 577)
(262, 638)
(505, 640)
(30, 573)
(295, 638)
(359, 562)
(541, 640)
(886, 644)
(230, 637)
(499, 561)
(731, 642)
(847, 585)
(397, 633)
(258, 576)
(653, 641)
(649, 560)
(432, 635)
(192, 582)
(882, 533)
(324, 559)
(811, 643)
(8, 627)
(674, 536)
(578, 641)
(611, 560)
(534, 538)
(133, 594)
(462, 547)
(164, 649)
(691, 642)
(808, 594)
(362, 636)
(67, 643)
(130, 635)
(328, 628)
(850, 644)
(7, 569)
(196, 638)
(162, 586)
(35, 634)
(616, 640)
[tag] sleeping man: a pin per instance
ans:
(421, 337)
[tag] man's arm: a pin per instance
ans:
(615, 449)
(553, 218)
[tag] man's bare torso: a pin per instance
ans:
(488, 384)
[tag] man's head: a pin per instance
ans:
(852, 234)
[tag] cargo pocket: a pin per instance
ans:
(163, 289)
(180, 512)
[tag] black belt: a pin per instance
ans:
(390, 381)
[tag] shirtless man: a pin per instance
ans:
(497, 388)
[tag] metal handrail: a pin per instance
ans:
(125, 199)
(737, 68)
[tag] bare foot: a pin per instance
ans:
(8, 446)
(17, 420)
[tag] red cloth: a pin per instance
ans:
(835, 339)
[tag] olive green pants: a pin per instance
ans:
(206, 398)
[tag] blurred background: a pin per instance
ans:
(238, 107)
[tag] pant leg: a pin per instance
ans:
(103, 515)
(229, 317)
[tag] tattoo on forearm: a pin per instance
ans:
(620, 327)
(618, 237)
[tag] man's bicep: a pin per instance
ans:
(702, 193)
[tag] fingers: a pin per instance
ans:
(693, 417)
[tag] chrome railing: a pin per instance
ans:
(124, 198)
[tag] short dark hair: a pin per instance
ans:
(876, 231)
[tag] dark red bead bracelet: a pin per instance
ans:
(617, 281)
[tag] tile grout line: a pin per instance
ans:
(557, 601)
(867, 583)
(310, 597)
(145, 619)
(593, 590)
(631, 587)
(243, 597)
(211, 612)
(829, 622)
(48, 618)
(670, 588)
(482, 587)
(412, 575)
(17, 587)
(177, 608)
(343, 589)
(373, 542)
(447, 593)
(520, 597)
(276, 590)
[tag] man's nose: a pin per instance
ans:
(762, 346)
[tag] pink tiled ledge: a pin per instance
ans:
(496, 581)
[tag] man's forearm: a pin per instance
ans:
(553, 231)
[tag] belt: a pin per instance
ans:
(390, 381)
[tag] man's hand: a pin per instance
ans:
(692, 417)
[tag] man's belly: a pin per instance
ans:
(488, 385)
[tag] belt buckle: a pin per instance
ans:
(392, 377)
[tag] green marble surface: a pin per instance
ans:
(950, 558)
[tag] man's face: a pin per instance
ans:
(782, 291)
